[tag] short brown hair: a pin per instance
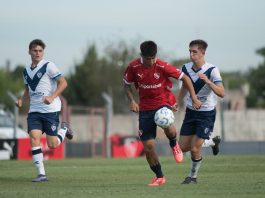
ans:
(37, 42)
(201, 44)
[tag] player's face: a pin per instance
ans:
(36, 53)
(196, 54)
(149, 60)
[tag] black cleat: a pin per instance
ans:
(189, 180)
(69, 133)
(40, 178)
(215, 148)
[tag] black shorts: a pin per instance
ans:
(147, 125)
(46, 122)
(200, 123)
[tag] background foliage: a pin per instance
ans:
(96, 74)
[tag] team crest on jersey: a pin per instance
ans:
(157, 75)
(53, 127)
(39, 74)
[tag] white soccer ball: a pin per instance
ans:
(164, 117)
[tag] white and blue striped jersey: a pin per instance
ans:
(204, 93)
(42, 81)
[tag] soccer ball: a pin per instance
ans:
(164, 117)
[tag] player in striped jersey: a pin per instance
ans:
(43, 85)
(198, 123)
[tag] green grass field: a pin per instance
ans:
(220, 176)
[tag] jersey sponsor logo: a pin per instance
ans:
(157, 75)
(150, 86)
(37, 94)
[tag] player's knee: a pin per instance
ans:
(195, 151)
(52, 145)
(148, 148)
(35, 141)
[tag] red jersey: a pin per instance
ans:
(151, 82)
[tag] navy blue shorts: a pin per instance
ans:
(147, 125)
(46, 122)
(200, 123)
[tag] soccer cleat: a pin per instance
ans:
(69, 133)
(215, 148)
(189, 180)
(177, 153)
(157, 181)
(40, 178)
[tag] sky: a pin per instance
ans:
(234, 29)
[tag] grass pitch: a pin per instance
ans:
(219, 176)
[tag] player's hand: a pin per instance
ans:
(18, 103)
(174, 107)
(48, 99)
(196, 104)
(204, 78)
(134, 107)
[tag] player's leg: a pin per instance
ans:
(35, 133)
(54, 135)
(152, 159)
(171, 133)
(37, 155)
(203, 128)
(213, 143)
(147, 134)
(196, 160)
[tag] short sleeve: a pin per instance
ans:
(128, 75)
(216, 76)
(173, 71)
(53, 71)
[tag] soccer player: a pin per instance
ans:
(150, 75)
(43, 85)
(211, 142)
(198, 123)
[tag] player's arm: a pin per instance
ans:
(218, 89)
(129, 93)
(182, 93)
(25, 96)
(61, 85)
(188, 85)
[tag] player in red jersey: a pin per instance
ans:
(150, 76)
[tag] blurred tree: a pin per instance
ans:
(256, 80)
(180, 62)
(233, 80)
(10, 81)
(95, 75)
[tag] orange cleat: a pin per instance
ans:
(157, 181)
(177, 153)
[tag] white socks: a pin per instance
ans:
(195, 166)
(61, 135)
(208, 143)
(37, 157)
